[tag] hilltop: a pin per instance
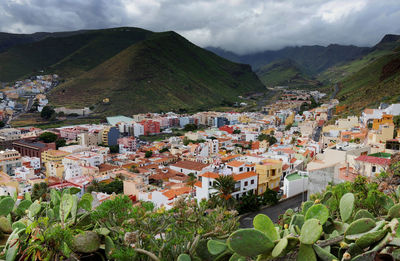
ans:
(309, 60)
(285, 72)
(366, 76)
(136, 69)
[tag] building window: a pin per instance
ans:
(252, 181)
(373, 168)
(246, 183)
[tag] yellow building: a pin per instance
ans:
(386, 119)
(269, 131)
(52, 160)
(269, 175)
(384, 133)
(244, 119)
(55, 156)
(290, 119)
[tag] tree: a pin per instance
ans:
(35, 105)
(288, 126)
(271, 139)
(237, 131)
(48, 137)
(114, 148)
(39, 191)
(396, 121)
(148, 154)
(116, 186)
(60, 143)
(191, 180)
(2, 124)
(249, 202)
(134, 169)
(47, 112)
(225, 185)
(190, 127)
(270, 197)
(165, 149)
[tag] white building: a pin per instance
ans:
(245, 182)
(138, 129)
(24, 173)
(34, 162)
(164, 197)
(295, 183)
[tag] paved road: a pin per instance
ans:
(317, 133)
(29, 104)
(274, 211)
(336, 90)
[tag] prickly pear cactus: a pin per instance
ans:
(318, 232)
(250, 242)
(86, 242)
(6, 206)
(346, 206)
(5, 225)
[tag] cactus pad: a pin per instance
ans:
(361, 225)
(323, 254)
(6, 206)
(306, 253)
(264, 224)
(370, 238)
(184, 257)
(311, 231)
(297, 220)
(34, 209)
(22, 207)
(5, 225)
(249, 242)
(216, 247)
(394, 212)
(319, 212)
(346, 206)
(280, 247)
(86, 242)
(306, 205)
(362, 213)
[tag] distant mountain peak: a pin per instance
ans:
(390, 38)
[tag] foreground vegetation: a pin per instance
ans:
(350, 221)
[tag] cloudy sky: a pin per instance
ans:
(242, 26)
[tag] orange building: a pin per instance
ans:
(386, 119)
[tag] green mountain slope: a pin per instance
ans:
(67, 55)
(9, 40)
(312, 59)
(285, 73)
(376, 82)
(163, 72)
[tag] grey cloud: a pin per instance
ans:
(243, 26)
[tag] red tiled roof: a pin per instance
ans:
(235, 163)
(285, 167)
(172, 193)
(374, 160)
(198, 184)
(211, 175)
(186, 164)
(244, 175)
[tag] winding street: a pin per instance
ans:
(273, 212)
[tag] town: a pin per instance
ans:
(25, 96)
(292, 146)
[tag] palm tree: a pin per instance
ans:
(191, 181)
(225, 185)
